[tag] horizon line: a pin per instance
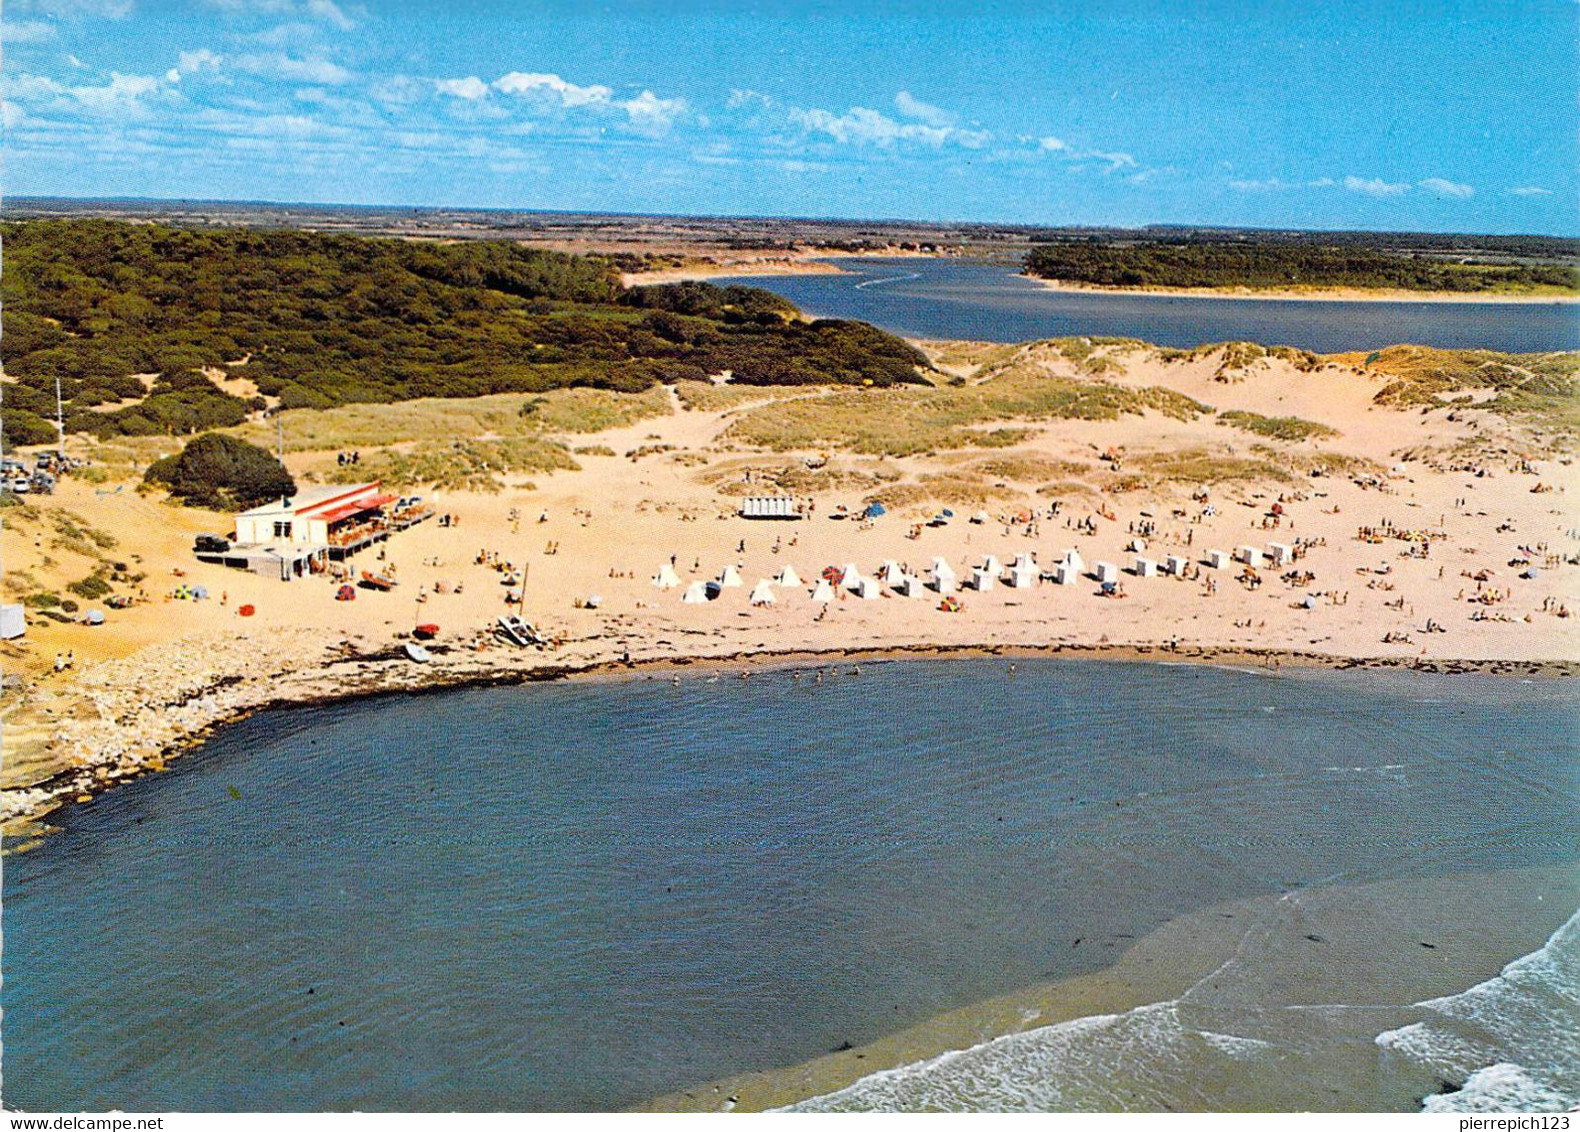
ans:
(244, 202)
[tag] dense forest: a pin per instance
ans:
(318, 320)
(1193, 260)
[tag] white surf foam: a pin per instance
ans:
(1513, 1041)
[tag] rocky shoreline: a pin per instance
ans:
(134, 716)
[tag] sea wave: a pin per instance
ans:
(1511, 1043)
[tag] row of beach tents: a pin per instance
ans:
(1022, 573)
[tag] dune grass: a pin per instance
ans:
(909, 421)
(442, 420)
(1276, 428)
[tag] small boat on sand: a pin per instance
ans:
(377, 581)
(519, 632)
(417, 653)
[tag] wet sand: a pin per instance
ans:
(1376, 948)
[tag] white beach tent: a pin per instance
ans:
(1250, 555)
(1146, 568)
(982, 579)
(1175, 564)
(992, 565)
(1137, 545)
(850, 575)
(1024, 561)
(823, 592)
(1065, 574)
(788, 577)
(1217, 559)
(730, 577)
(1022, 576)
(889, 571)
(943, 576)
(909, 585)
(696, 594)
(1107, 572)
(867, 588)
(1073, 560)
(763, 593)
(1281, 553)
(667, 579)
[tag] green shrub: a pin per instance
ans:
(221, 472)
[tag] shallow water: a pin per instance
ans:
(989, 302)
(578, 896)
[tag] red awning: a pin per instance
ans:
(355, 507)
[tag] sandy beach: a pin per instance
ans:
(1447, 499)
(1309, 294)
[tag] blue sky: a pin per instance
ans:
(1439, 116)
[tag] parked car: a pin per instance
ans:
(210, 544)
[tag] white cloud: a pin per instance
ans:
(740, 98)
(1051, 144)
(1116, 161)
(912, 107)
(1375, 187)
(1271, 184)
(1445, 188)
(1531, 191)
(652, 114)
(540, 85)
(280, 66)
(861, 126)
(193, 62)
(26, 31)
(470, 88)
(329, 12)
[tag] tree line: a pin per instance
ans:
(134, 318)
(1199, 262)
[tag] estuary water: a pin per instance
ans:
(922, 297)
(577, 896)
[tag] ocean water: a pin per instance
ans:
(1509, 1044)
(969, 299)
(578, 896)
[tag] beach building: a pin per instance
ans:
(666, 579)
(1250, 555)
(1106, 572)
(1281, 553)
(299, 534)
(1176, 564)
(1146, 568)
(1217, 559)
(13, 622)
(770, 507)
